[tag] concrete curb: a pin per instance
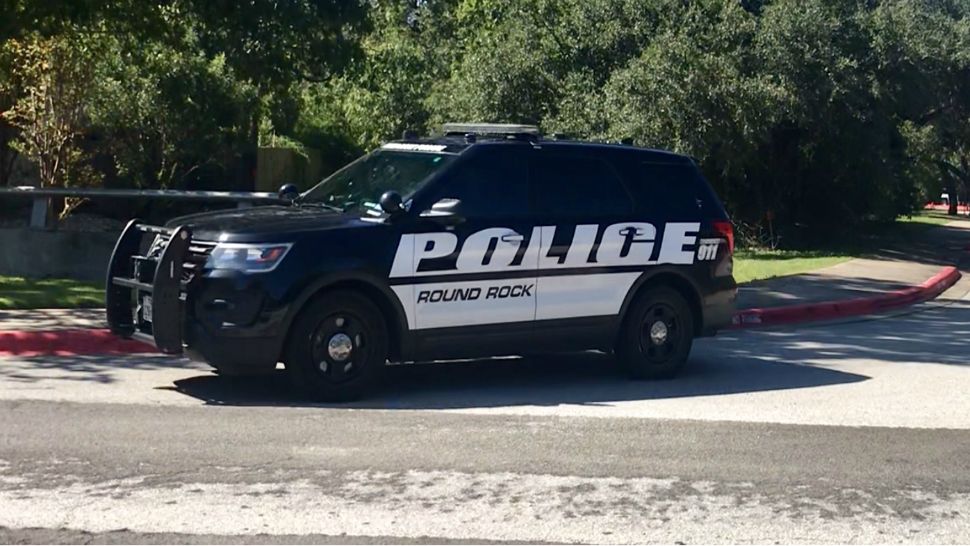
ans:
(829, 310)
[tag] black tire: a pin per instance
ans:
(647, 350)
(314, 370)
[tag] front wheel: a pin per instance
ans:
(338, 348)
(657, 334)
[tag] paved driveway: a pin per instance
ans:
(853, 432)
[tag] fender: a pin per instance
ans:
(646, 278)
(360, 276)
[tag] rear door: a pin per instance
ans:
(592, 246)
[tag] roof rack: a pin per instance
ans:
(490, 129)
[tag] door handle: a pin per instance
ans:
(512, 238)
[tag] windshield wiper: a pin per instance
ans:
(320, 205)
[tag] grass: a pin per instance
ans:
(752, 265)
(21, 293)
(932, 217)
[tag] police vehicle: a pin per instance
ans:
(488, 240)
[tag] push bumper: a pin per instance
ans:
(169, 277)
(145, 294)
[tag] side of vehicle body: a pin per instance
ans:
(512, 247)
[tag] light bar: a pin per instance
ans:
(489, 129)
(406, 147)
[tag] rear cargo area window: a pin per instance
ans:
(670, 190)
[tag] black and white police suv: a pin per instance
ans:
(489, 240)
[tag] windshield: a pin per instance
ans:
(359, 185)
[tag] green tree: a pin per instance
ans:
(408, 50)
(694, 89)
(164, 113)
(8, 96)
(273, 46)
(52, 75)
(922, 50)
(262, 45)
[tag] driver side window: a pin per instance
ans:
(492, 184)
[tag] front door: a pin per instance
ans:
(473, 250)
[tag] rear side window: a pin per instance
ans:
(672, 191)
(567, 185)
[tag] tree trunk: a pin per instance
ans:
(250, 153)
(962, 182)
(8, 156)
(952, 188)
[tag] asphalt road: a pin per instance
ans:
(851, 432)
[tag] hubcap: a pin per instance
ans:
(658, 333)
(340, 347)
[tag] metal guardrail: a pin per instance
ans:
(41, 197)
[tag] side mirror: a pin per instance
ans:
(446, 211)
(288, 192)
(391, 202)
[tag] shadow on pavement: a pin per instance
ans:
(51, 319)
(938, 244)
(934, 334)
(588, 378)
(740, 362)
(87, 368)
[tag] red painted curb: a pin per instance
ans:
(68, 343)
(828, 310)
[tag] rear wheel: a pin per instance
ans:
(338, 348)
(657, 335)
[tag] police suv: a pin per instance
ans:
(488, 240)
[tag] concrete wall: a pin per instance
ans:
(81, 255)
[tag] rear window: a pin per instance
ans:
(672, 191)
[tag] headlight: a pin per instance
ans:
(245, 257)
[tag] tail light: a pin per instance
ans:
(726, 230)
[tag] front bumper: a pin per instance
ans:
(236, 355)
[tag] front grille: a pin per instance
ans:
(195, 258)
